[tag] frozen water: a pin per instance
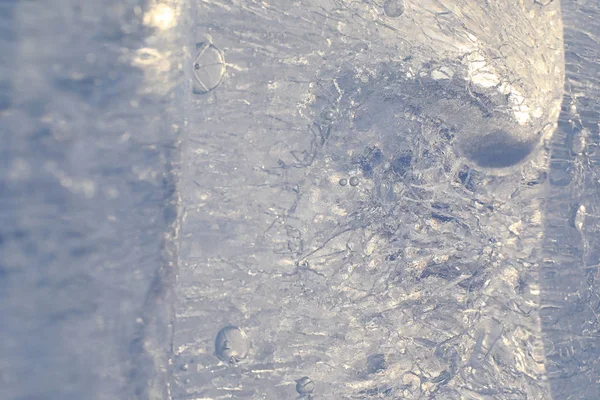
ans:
(430, 275)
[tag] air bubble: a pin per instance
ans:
(385, 191)
(393, 8)
(328, 115)
(305, 385)
(497, 149)
(209, 68)
(232, 344)
(578, 217)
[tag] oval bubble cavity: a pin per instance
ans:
(497, 149)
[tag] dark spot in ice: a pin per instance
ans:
(475, 282)
(443, 214)
(401, 163)
(466, 178)
(371, 159)
(440, 206)
(375, 363)
(497, 149)
(447, 271)
(378, 392)
(541, 179)
(392, 257)
(441, 217)
(448, 133)
(443, 378)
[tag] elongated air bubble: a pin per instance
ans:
(498, 149)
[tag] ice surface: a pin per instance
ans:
(435, 275)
